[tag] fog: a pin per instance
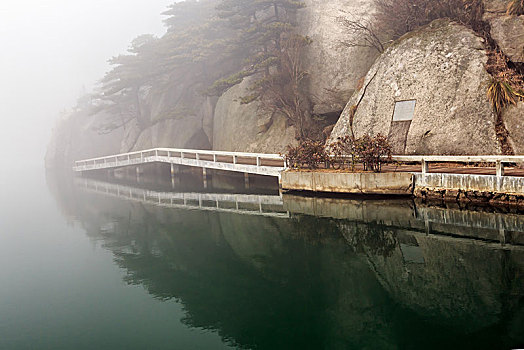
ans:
(51, 50)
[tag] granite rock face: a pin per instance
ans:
(514, 120)
(440, 69)
(176, 114)
(333, 72)
(246, 127)
(169, 117)
(508, 31)
(334, 68)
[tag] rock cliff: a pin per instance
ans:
(440, 70)
(176, 114)
(333, 73)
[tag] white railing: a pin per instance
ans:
(499, 161)
(254, 163)
(260, 163)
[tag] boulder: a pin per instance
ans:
(514, 120)
(508, 32)
(334, 69)
(178, 133)
(247, 127)
(439, 70)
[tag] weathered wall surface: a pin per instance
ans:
(358, 183)
(441, 66)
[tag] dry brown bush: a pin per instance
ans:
(398, 17)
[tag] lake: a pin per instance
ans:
(111, 263)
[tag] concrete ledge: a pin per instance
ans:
(355, 183)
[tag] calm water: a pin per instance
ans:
(88, 264)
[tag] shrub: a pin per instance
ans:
(397, 17)
(342, 152)
(373, 151)
(307, 154)
(516, 7)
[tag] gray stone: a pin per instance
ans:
(177, 133)
(514, 120)
(242, 127)
(508, 32)
(441, 66)
(334, 69)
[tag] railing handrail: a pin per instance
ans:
(190, 151)
(460, 159)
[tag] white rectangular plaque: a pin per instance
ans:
(404, 110)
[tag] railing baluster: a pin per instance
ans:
(500, 168)
(425, 167)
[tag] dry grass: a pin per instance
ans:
(516, 7)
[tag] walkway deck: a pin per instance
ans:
(250, 163)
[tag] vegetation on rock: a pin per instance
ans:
(215, 44)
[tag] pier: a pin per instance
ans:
(494, 179)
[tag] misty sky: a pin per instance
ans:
(49, 50)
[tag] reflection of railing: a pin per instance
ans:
(446, 224)
(263, 205)
(251, 163)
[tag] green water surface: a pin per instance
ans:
(87, 270)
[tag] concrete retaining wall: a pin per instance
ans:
(449, 187)
(471, 188)
(467, 182)
(356, 183)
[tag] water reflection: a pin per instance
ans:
(322, 273)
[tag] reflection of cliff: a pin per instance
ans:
(466, 284)
(308, 282)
